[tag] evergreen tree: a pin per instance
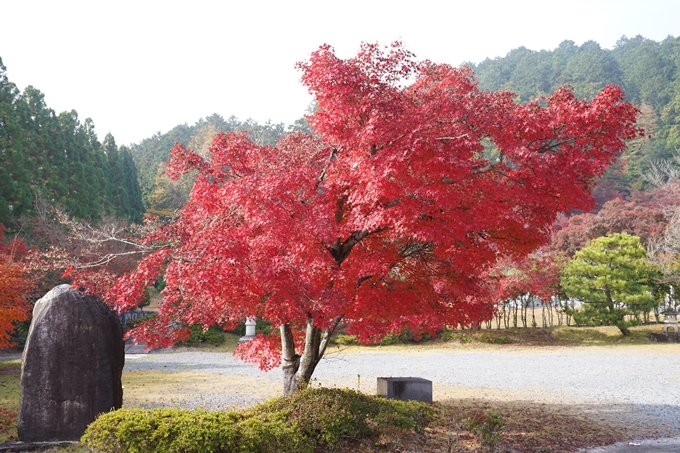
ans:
(59, 160)
(613, 281)
(83, 196)
(15, 170)
(131, 186)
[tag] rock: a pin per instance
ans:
(72, 366)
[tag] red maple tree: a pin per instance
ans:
(616, 216)
(537, 274)
(390, 217)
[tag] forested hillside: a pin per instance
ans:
(648, 71)
(159, 193)
(59, 159)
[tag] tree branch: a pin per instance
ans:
(491, 165)
(452, 138)
(341, 250)
(327, 335)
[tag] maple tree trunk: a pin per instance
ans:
(544, 321)
(298, 369)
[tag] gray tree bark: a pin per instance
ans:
(298, 369)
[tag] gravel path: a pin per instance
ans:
(636, 386)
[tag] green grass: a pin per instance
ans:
(10, 392)
(552, 336)
(228, 345)
(75, 448)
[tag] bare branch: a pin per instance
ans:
(491, 165)
(452, 138)
(331, 156)
(327, 335)
(661, 172)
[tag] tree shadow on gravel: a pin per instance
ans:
(536, 427)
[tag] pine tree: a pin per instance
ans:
(613, 281)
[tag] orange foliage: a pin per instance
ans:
(14, 285)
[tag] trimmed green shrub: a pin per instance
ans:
(389, 339)
(346, 339)
(493, 338)
(451, 335)
(312, 419)
(197, 431)
(328, 415)
(214, 336)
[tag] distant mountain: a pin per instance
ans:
(59, 159)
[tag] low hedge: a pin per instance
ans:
(305, 422)
(176, 430)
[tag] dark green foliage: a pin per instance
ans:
(213, 336)
(176, 430)
(134, 322)
(390, 339)
(613, 280)
(493, 339)
(315, 419)
(451, 335)
(327, 416)
(58, 159)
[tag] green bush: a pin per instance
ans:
(214, 336)
(310, 420)
(389, 339)
(346, 339)
(176, 430)
(451, 335)
(326, 416)
(494, 338)
(488, 429)
(405, 336)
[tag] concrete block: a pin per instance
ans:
(405, 388)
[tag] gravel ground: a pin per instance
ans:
(632, 386)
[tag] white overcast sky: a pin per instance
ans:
(141, 67)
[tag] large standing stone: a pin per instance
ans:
(72, 366)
